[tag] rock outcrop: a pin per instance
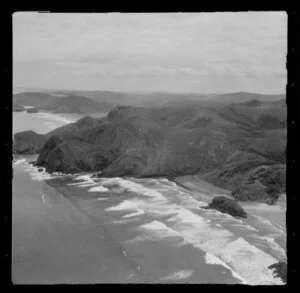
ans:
(279, 270)
(28, 143)
(228, 206)
(32, 110)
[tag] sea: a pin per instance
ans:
(77, 229)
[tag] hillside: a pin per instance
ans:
(36, 99)
(223, 143)
(87, 102)
(60, 103)
(244, 97)
(75, 104)
(144, 99)
(139, 99)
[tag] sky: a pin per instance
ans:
(168, 52)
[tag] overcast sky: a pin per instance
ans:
(187, 52)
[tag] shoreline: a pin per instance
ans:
(209, 189)
(71, 118)
(90, 174)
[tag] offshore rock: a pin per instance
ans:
(228, 206)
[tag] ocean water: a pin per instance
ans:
(78, 229)
(42, 122)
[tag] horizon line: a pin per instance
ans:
(27, 89)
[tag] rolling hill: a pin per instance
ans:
(57, 102)
(87, 102)
(244, 97)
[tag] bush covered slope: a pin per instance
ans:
(227, 144)
(60, 103)
(28, 142)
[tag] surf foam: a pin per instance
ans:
(179, 275)
(213, 260)
(18, 162)
(56, 117)
(247, 262)
(98, 188)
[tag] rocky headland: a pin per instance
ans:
(232, 146)
(28, 142)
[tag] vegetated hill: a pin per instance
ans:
(75, 104)
(140, 99)
(251, 103)
(86, 122)
(281, 102)
(58, 102)
(219, 142)
(244, 97)
(28, 142)
(254, 179)
(36, 99)
(268, 116)
(152, 99)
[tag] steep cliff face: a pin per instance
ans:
(28, 142)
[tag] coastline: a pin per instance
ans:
(272, 217)
(188, 215)
(68, 118)
(143, 185)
